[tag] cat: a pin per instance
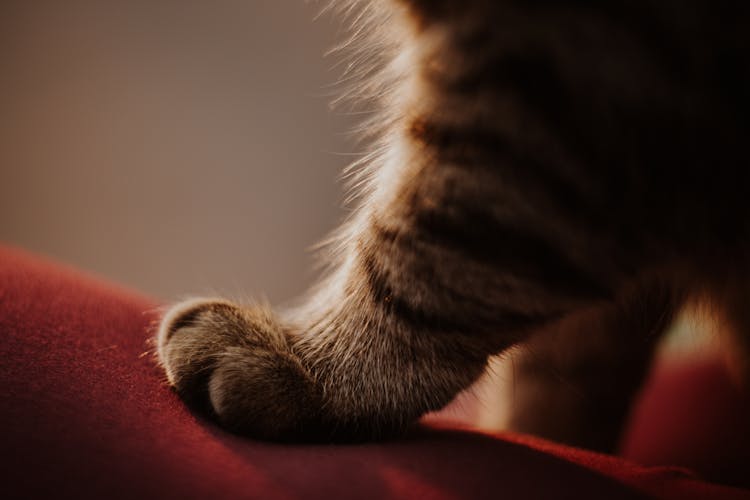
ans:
(563, 175)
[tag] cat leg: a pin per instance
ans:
(438, 271)
(348, 373)
(573, 383)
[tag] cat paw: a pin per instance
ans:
(236, 364)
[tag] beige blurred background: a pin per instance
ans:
(175, 147)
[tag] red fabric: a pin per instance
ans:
(86, 414)
(693, 414)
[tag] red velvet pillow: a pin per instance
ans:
(86, 414)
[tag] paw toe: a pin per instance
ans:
(181, 333)
(264, 393)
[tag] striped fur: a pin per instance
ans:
(532, 162)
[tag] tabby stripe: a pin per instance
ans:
(476, 235)
(534, 78)
(533, 74)
(475, 147)
(438, 319)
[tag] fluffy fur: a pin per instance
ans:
(564, 174)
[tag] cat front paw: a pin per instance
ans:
(236, 364)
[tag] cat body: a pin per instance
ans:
(558, 174)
